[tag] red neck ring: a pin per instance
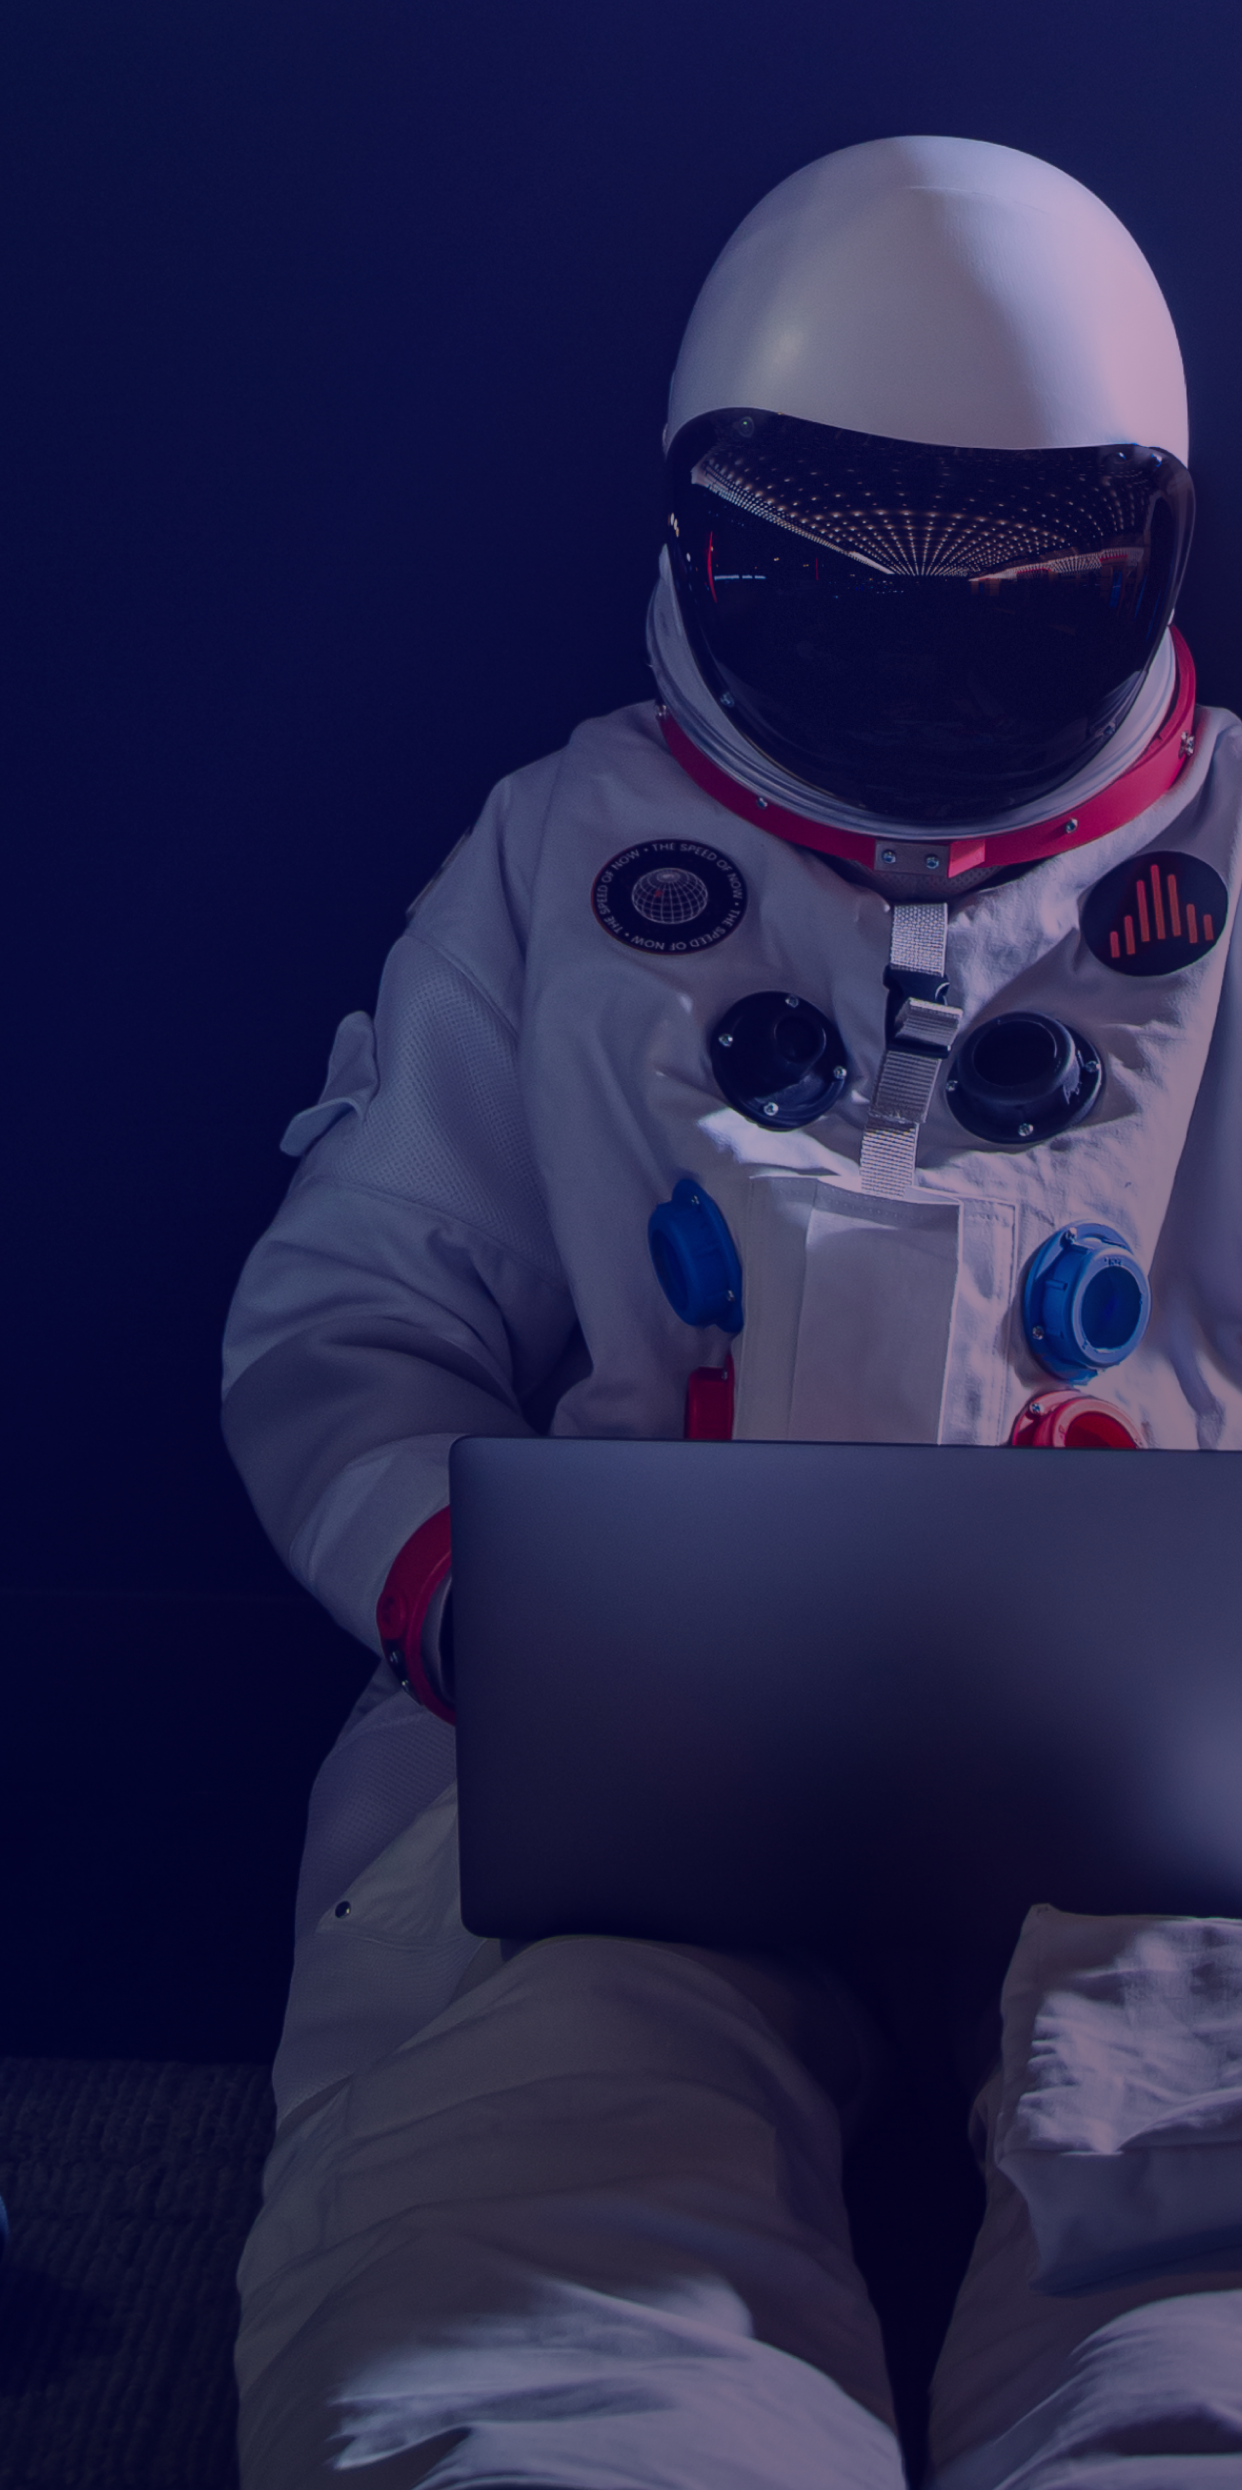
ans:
(1147, 778)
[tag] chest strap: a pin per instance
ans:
(922, 1025)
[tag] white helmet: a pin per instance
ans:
(930, 509)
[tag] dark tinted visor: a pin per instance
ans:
(933, 635)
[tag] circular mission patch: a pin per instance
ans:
(1159, 912)
(670, 895)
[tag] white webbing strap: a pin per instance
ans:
(907, 1074)
(918, 937)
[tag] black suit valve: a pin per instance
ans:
(778, 1060)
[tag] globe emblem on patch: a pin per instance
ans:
(672, 896)
(667, 896)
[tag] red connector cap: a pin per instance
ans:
(709, 1404)
(414, 1578)
(1074, 1422)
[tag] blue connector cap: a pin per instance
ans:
(696, 1260)
(1086, 1301)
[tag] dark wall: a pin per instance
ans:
(336, 340)
(335, 336)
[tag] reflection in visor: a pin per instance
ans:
(929, 634)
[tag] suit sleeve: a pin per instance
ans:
(408, 1290)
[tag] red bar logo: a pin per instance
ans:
(1155, 915)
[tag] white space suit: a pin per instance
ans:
(548, 2231)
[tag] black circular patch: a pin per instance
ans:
(670, 895)
(1158, 913)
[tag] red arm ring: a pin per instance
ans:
(413, 1580)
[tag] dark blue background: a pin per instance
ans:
(335, 339)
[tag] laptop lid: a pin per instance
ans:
(748, 1694)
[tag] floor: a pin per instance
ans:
(131, 2186)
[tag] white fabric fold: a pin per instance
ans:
(1121, 2112)
(585, 2231)
(365, 1980)
(350, 1083)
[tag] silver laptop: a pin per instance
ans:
(755, 1694)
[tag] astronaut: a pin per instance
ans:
(837, 1045)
